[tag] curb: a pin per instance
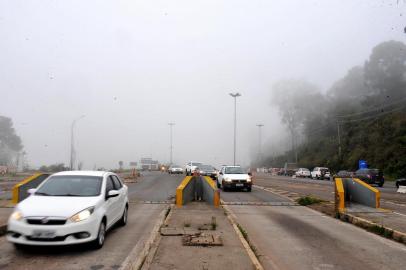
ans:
(151, 254)
(134, 262)
(231, 217)
(367, 225)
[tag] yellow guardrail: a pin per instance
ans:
(17, 196)
(340, 196)
(179, 190)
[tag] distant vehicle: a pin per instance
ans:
(401, 182)
(290, 169)
(302, 172)
(345, 174)
(208, 170)
(370, 176)
(70, 207)
(320, 173)
(191, 167)
(175, 169)
(234, 177)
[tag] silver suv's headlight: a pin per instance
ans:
(227, 179)
(249, 179)
(82, 215)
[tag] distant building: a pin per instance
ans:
(149, 164)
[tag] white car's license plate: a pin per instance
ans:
(44, 234)
(239, 185)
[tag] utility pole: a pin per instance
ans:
(72, 143)
(339, 139)
(171, 147)
(235, 95)
(259, 142)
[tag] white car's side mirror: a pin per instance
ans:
(112, 193)
(31, 191)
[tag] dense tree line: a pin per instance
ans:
(10, 142)
(362, 116)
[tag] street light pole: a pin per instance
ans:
(235, 95)
(259, 142)
(171, 147)
(72, 143)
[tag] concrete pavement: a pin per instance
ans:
(296, 237)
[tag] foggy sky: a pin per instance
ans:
(134, 66)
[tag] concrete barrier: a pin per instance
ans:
(197, 188)
(210, 192)
(339, 196)
(353, 190)
(20, 190)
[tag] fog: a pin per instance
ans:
(131, 67)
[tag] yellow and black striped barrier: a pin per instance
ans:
(20, 190)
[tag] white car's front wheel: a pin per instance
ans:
(101, 235)
(124, 217)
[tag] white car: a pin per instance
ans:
(234, 177)
(302, 172)
(320, 173)
(191, 167)
(70, 208)
(173, 169)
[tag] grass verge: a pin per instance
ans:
(308, 200)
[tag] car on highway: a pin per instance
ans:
(208, 170)
(370, 176)
(191, 167)
(70, 207)
(234, 177)
(344, 174)
(320, 173)
(175, 169)
(302, 172)
(400, 182)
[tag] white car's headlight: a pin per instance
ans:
(82, 215)
(17, 215)
(227, 179)
(249, 179)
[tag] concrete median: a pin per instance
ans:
(196, 188)
(20, 190)
(353, 191)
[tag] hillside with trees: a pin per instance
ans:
(362, 116)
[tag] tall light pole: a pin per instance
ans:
(72, 143)
(235, 95)
(171, 147)
(259, 142)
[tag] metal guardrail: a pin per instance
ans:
(20, 190)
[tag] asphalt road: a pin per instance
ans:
(296, 237)
(119, 242)
(324, 189)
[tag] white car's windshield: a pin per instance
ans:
(234, 170)
(75, 185)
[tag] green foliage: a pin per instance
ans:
(308, 200)
(10, 142)
(369, 104)
(54, 168)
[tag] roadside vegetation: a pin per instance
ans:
(361, 117)
(308, 200)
